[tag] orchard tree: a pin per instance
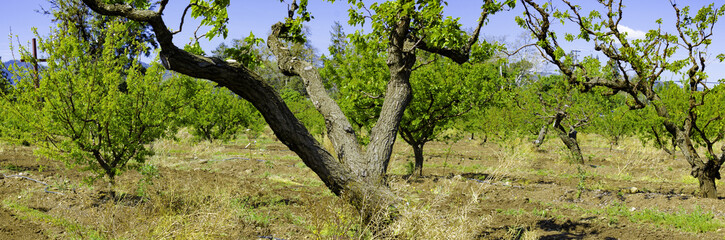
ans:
(695, 120)
(215, 113)
(614, 121)
(402, 26)
(89, 26)
(550, 101)
(79, 115)
(442, 92)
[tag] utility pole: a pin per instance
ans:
(576, 55)
(35, 61)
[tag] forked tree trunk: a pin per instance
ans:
(568, 138)
(357, 175)
(364, 187)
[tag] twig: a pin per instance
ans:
(270, 237)
(183, 15)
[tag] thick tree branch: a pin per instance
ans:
(462, 54)
(339, 129)
(247, 85)
(397, 96)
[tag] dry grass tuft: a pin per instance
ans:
(450, 212)
(513, 157)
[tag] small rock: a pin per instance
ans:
(633, 190)
(458, 177)
(632, 209)
(248, 171)
(203, 161)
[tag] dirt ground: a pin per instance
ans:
(248, 190)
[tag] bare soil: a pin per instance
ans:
(240, 191)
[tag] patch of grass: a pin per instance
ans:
(245, 210)
(438, 213)
(283, 180)
(76, 231)
(13, 168)
(697, 221)
(687, 179)
(512, 212)
(409, 168)
(472, 168)
(655, 179)
(543, 172)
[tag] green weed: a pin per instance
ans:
(76, 231)
(696, 221)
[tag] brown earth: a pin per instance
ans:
(240, 191)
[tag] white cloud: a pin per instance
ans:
(631, 33)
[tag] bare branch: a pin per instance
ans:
(183, 16)
(162, 6)
(518, 50)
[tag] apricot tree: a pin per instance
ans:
(403, 27)
(695, 119)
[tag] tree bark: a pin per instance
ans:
(705, 170)
(542, 134)
(338, 177)
(354, 174)
(573, 145)
(707, 186)
(418, 153)
(568, 138)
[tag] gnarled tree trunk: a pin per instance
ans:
(568, 138)
(542, 134)
(364, 188)
(355, 173)
(705, 170)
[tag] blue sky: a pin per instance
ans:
(258, 15)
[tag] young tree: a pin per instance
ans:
(402, 26)
(614, 121)
(215, 113)
(443, 92)
(551, 101)
(79, 115)
(698, 119)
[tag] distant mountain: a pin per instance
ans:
(24, 66)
